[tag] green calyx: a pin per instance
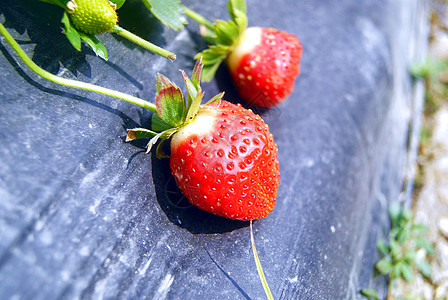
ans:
(173, 110)
(222, 38)
(83, 19)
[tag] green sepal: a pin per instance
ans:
(170, 104)
(212, 59)
(226, 32)
(95, 45)
(169, 12)
(207, 34)
(157, 124)
(162, 81)
(195, 105)
(196, 75)
(215, 99)
(193, 84)
(234, 7)
(164, 135)
(118, 3)
(192, 89)
(139, 133)
(74, 36)
(237, 12)
(71, 33)
(159, 152)
(226, 35)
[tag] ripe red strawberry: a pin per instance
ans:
(263, 62)
(264, 65)
(92, 16)
(225, 162)
(223, 157)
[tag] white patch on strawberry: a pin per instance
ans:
(250, 38)
(202, 124)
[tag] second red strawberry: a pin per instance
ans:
(264, 65)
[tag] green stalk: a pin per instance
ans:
(143, 43)
(198, 18)
(69, 82)
(259, 268)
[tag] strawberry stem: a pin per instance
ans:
(259, 268)
(69, 82)
(198, 18)
(144, 43)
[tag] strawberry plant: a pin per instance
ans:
(405, 253)
(84, 19)
(263, 62)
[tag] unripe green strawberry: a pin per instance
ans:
(92, 16)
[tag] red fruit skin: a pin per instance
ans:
(230, 169)
(264, 73)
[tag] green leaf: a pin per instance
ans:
(61, 3)
(139, 133)
(94, 44)
(406, 271)
(428, 69)
(384, 266)
(425, 244)
(169, 12)
(396, 272)
(403, 235)
(423, 266)
(170, 105)
(369, 294)
(409, 257)
(395, 212)
(382, 247)
(395, 249)
(119, 3)
(419, 229)
(71, 33)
